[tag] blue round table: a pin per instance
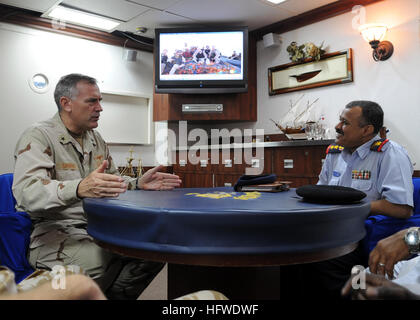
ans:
(220, 227)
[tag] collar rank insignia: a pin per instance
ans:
(334, 148)
(378, 144)
(360, 174)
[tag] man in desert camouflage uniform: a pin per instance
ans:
(67, 283)
(64, 282)
(59, 162)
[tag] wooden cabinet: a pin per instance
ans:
(298, 162)
(301, 164)
(198, 169)
(236, 106)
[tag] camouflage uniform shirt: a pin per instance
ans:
(49, 165)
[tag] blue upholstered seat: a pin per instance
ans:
(15, 231)
(379, 226)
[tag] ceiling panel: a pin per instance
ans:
(299, 6)
(35, 5)
(252, 13)
(156, 4)
(118, 9)
(154, 19)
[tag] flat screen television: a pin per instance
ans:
(198, 60)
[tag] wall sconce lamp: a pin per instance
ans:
(374, 33)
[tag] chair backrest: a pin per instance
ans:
(15, 231)
(7, 201)
(416, 196)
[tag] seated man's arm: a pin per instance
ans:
(99, 184)
(34, 186)
(387, 208)
(395, 184)
(378, 288)
(324, 174)
(155, 180)
(387, 253)
(152, 179)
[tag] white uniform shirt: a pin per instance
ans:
(385, 174)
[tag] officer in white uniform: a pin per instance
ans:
(380, 168)
(361, 160)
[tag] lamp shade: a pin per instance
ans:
(373, 31)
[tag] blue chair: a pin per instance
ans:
(379, 226)
(15, 231)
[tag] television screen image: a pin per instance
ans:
(201, 56)
(191, 60)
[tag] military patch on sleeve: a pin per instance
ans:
(334, 148)
(28, 147)
(378, 144)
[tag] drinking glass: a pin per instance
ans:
(309, 130)
(318, 131)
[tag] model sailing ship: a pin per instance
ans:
(129, 170)
(295, 119)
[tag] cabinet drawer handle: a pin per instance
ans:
(255, 163)
(203, 163)
(288, 163)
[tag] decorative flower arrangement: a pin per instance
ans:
(304, 51)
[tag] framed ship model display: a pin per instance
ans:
(331, 68)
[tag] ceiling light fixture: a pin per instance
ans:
(82, 18)
(276, 1)
(374, 34)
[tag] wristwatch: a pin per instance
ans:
(412, 240)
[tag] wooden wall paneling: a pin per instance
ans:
(177, 167)
(295, 154)
(265, 160)
(268, 161)
(318, 160)
(306, 166)
(307, 163)
(197, 180)
(298, 182)
(238, 165)
(194, 163)
(221, 179)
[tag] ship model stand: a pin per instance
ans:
(129, 170)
